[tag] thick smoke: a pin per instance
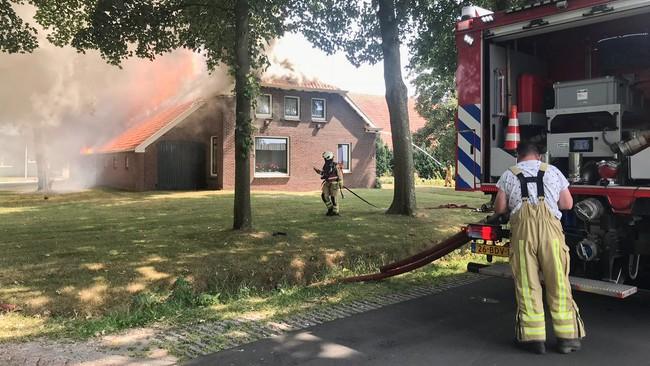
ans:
(76, 101)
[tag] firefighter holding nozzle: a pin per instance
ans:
(332, 177)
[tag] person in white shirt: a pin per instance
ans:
(533, 193)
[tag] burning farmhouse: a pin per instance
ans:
(190, 145)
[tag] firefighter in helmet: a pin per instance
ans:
(533, 193)
(332, 177)
(449, 174)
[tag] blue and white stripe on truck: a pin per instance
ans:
(468, 164)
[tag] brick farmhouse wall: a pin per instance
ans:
(306, 142)
(217, 118)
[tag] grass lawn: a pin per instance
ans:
(97, 261)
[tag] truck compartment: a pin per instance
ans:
(582, 92)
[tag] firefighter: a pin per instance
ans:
(449, 175)
(534, 193)
(332, 177)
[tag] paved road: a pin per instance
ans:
(468, 325)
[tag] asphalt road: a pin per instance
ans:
(468, 325)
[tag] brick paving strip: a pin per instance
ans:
(168, 346)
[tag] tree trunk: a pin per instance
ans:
(242, 216)
(41, 161)
(397, 99)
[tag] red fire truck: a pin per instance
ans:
(578, 72)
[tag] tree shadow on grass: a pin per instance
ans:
(89, 255)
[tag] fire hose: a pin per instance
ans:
(421, 259)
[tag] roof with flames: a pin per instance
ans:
(376, 109)
(305, 85)
(150, 128)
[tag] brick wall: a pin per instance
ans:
(307, 142)
(112, 170)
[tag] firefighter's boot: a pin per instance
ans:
(537, 347)
(565, 346)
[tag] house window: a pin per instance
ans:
(263, 107)
(126, 162)
(114, 162)
(214, 154)
(271, 157)
(292, 108)
(318, 109)
(343, 153)
(106, 163)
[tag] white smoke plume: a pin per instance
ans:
(77, 100)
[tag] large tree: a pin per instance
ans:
(371, 31)
(230, 32)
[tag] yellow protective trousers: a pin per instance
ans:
(329, 194)
(537, 248)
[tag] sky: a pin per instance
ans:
(335, 69)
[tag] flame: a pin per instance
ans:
(155, 82)
(87, 150)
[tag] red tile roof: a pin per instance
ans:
(144, 129)
(376, 109)
(295, 84)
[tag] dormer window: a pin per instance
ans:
(318, 109)
(263, 108)
(292, 108)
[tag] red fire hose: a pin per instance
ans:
(420, 259)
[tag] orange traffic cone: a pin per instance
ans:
(512, 131)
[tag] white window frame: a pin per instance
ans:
(318, 119)
(284, 109)
(349, 170)
(212, 157)
(272, 175)
(270, 115)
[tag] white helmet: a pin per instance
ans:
(328, 155)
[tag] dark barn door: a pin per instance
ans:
(181, 165)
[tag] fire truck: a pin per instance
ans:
(578, 74)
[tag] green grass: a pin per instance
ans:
(99, 261)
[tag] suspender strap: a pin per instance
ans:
(523, 181)
(540, 181)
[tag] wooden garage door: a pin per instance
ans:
(181, 165)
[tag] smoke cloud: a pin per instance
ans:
(78, 101)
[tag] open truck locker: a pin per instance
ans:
(578, 72)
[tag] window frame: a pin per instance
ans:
(349, 169)
(284, 108)
(267, 174)
(319, 119)
(213, 173)
(114, 162)
(126, 162)
(261, 115)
